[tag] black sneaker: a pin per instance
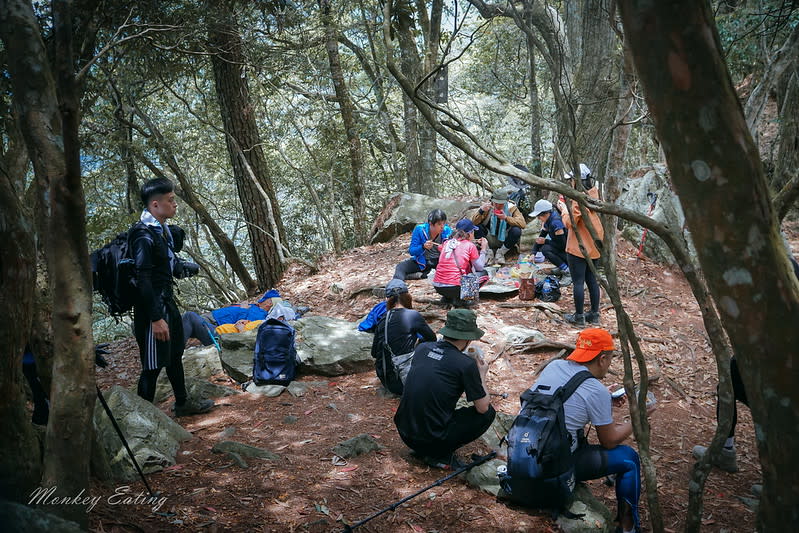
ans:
(592, 317)
(578, 319)
(193, 407)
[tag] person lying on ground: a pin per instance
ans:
(501, 222)
(233, 313)
(396, 337)
(551, 242)
(426, 419)
(459, 255)
(426, 240)
(591, 403)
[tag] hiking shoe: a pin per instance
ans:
(489, 257)
(726, 462)
(499, 257)
(578, 319)
(193, 407)
(592, 317)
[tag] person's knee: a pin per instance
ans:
(628, 456)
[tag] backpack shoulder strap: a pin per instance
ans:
(575, 381)
(385, 333)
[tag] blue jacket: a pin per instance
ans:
(420, 235)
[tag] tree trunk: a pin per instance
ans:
(244, 146)
(20, 464)
(49, 110)
(787, 161)
(410, 66)
(712, 156)
(535, 113)
(359, 212)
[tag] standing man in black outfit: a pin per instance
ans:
(156, 320)
(426, 419)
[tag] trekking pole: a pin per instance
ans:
(653, 198)
(393, 506)
(122, 438)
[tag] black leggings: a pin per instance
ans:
(465, 426)
(410, 266)
(553, 255)
(149, 378)
(738, 393)
(583, 275)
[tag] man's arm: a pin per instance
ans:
(149, 301)
(613, 434)
(482, 405)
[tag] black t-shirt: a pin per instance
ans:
(439, 374)
(403, 325)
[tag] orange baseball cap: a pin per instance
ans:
(590, 343)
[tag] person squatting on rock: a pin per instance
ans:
(591, 402)
(427, 420)
(459, 255)
(551, 242)
(426, 241)
(501, 222)
(397, 334)
(581, 273)
(157, 322)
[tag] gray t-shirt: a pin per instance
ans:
(590, 402)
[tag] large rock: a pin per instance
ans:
(519, 335)
(202, 362)
(332, 347)
(596, 517)
(410, 209)
(328, 346)
(484, 476)
(18, 517)
(153, 437)
(197, 388)
(667, 211)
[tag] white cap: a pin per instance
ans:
(540, 207)
(584, 172)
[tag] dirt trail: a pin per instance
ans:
(306, 492)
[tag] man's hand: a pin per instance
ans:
(160, 330)
(486, 207)
(540, 240)
(483, 243)
(428, 244)
(502, 215)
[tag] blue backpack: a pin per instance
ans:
(275, 361)
(540, 463)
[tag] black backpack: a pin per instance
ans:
(540, 463)
(548, 289)
(114, 275)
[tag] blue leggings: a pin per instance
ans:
(594, 461)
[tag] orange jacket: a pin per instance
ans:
(576, 223)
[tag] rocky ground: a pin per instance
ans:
(306, 490)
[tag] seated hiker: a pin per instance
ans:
(728, 461)
(426, 240)
(275, 359)
(591, 402)
(396, 337)
(459, 255)
(501, 222)
(426, 419)
(239, 327)
(552, 240)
